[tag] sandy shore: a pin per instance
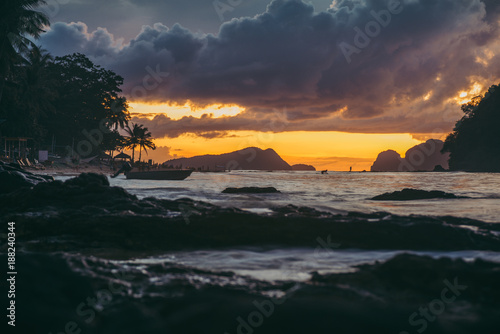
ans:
(72, 171)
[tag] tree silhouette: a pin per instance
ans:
(37, 86)
(133, 138)
(474, 144)
(118, 114)
(18, 21)
(145, 142)
(138, 135)
(87, 95)
(29, 96)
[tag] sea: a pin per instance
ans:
(323, 258)
(337, 193)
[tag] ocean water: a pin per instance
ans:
(336, 192)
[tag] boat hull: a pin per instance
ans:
(175, 175)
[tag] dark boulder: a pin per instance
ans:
(13, 177)
(88, 189)
(251, 190)
(413, 194)
(439, 168)
(86, 179)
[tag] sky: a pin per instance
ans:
(325, 82)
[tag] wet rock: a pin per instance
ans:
(439, 168)
(86, 190)
(422, 278)
(86, 179)
(413, 194)
(13, 177)
(251, 190)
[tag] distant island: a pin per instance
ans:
(251, 158)
(425, 157)
(303, 167)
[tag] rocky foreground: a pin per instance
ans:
(67, 231)
(13, 177)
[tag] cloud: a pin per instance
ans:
(126, 17)
(211, 127)
(290, 57)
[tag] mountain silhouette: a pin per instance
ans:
(387, 161)
(422, 157)
(250, 158)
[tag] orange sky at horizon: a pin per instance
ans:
(324, 150)
(332, 150)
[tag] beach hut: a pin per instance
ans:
(103, 157)
(123, 157)
(16, 147)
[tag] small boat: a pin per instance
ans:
(160, 174)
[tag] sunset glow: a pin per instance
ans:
(325, 150)
(177, 112)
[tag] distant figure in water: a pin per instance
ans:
(324, 171)
(350, 169)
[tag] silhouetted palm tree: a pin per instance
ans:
(133, 137)
(138, 135)
(145, 141)
(18, 21)
(118, 115)
(37, 88)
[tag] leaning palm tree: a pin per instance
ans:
(18, 21)
(145, 141)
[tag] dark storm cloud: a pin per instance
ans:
(126, 17)
(275, 122)
(315, 64)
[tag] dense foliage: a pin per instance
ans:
(68, 105)
(18, 21)
(475, 143)
(66, 100)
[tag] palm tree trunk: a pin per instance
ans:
(2, 85)
(133, 154)
(3, 76)
(140, 153)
